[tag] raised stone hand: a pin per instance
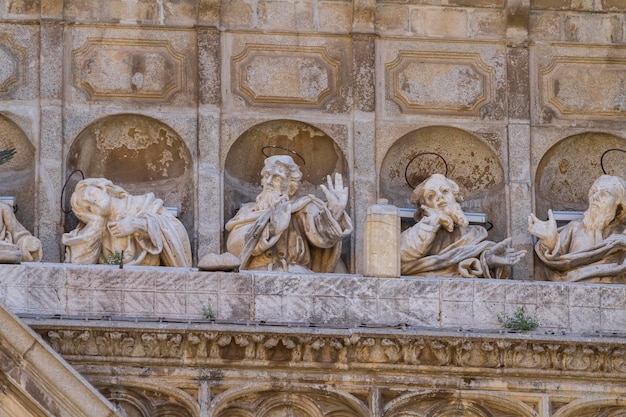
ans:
(280, 217)
(503, 254)
(127, 226)
(336, 195)
(436, 218)
(545, 231)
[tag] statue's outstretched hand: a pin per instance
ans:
(503, 254)
(336, 195)
(545, 231)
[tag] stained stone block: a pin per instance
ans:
(235, 306)
(612, 297)
(457, 290)
(440, 22)
(585, 297)
(268, 307)
(107, 302)
(139, 302)
(612, 320)
(335, 17)
(552, 315)
(296, 308)
(392, 18)
(362, 310)
(585, 319)
(393, 311)
(329, 309)
(424, 312)
(486, 313)
(457, 313)
(167, 303)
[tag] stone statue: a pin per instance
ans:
(16, 243)
(443, 243)
(283, 232)
(592, 248)
(114, 222)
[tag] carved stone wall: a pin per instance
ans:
(521, 98)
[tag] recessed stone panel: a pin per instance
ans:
(130, 67)
(440, 83)
(584, 86)
(443, 79)
(11, 70)
(271, 74)
(113, 69)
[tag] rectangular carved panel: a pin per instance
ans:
(442, 83)
(113, 69)
(443, 79)
(584, 86)
(295, 75)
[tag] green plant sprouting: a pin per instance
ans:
(207, 311)
(518, 321)
(115, 258)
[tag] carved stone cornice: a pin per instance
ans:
(400, 350)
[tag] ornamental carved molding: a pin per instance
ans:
(137, 69)
(443, 83)
(411, 352)
(13, 59)
(584, 86)
(271, 75)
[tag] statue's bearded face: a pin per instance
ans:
(278, 186)
(602, 207)
(438, 194)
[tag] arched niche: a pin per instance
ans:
(569, 168)
(139, 153)
(453, 404)
(17, 175)
(461, 156)
(317, 154)
(313, 150)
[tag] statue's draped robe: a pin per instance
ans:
(583, 256)
(13, 236)
(166, 242)
(311, 242)
(426, 250)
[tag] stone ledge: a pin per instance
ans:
(179, 294)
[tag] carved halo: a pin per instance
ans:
(604, 154)
(269, 151)
(424, 168)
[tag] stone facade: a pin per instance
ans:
(523, 100)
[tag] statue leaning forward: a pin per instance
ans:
(442, 242)
(16, 243)
(113, 222)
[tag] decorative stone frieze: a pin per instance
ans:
(359, 348)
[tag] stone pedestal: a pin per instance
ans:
(382, 241)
